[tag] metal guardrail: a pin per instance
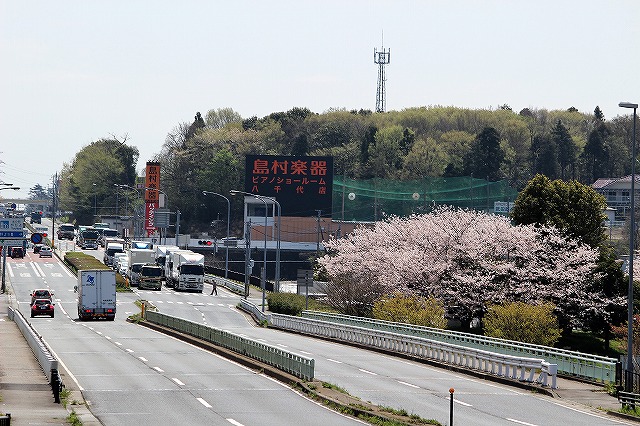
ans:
(298, 365)
(47, 361)
(507, 366)
(223, 282)
(254, 310)
(570, 363)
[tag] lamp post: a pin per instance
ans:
(264, 267)
(629, 376)
(226, 256)
(95, 202)
(122, 186)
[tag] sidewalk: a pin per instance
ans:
(25, 392)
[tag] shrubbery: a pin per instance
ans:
(79, 261)
(523, 322)
(292, 304)
(411, 310)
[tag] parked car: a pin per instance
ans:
(42, 307)
(41, 293)
(45, 251)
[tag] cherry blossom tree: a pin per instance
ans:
(469, 260)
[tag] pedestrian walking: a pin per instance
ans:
(214, 290)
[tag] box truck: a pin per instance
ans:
(96, 294)
(187, 270)
(138, 258)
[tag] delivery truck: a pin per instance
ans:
(96, 294)
(187, 271)
(138, 258)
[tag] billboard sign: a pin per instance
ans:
(152, 184)
(301, 184)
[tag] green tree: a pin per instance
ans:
(575, 208)
(522, 322)
(486, 156)
(222, 117)
(566, 149)
(410, 309)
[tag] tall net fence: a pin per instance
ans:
(371, 200)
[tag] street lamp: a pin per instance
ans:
(264, 268)
(629, 376)
(135, 214)
(95, 203)
(226, 257)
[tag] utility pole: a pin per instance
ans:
(247, 258)
(318, 235)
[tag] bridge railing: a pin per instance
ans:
(570, 363)
(508, 366)
(298, 365)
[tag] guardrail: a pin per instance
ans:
(298, 365)
(47, 361)
(507, 366)
(570, 363)
(254, 310)
(220, 281)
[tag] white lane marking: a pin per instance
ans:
(158, 369)
(180, 303)
(281, 345)
(333, 360)
(66, 270)
(129, 350)
(159, 301)
(99, 332)
(118, 343)
(408, 384)
(521, 423)
(462, 403)
(305, 352)
(234, 423)
(203, 402)
(143, 359)
(368, 372)
(40, 270)
(35, 271)
(179, 382)
(169, 301)
(107, 337)
(25, 274)
(56, 274)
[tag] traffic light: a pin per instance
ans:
(204, 242)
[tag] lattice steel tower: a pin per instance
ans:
(381, 58)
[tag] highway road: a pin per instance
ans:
(132, 375)
(126, 370)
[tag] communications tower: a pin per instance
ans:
(382, 58)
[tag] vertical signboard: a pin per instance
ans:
(302, 185)
(152, 184)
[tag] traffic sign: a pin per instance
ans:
(10, 242)
(36, 238)
(11, 234)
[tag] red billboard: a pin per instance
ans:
(152, 184)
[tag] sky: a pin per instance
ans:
(73, 72)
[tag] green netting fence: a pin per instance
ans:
(371, 200)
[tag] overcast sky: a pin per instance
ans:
(72, 72)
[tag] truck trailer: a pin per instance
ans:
(96, 294)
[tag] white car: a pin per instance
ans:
(117, 258)
(123, 267)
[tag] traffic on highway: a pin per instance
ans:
(130, 374)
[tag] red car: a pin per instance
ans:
(42, 307)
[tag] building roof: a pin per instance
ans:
(603, 183)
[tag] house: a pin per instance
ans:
(616, 192)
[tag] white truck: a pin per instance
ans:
(168, 264)
(161, 255)
(96, 294)
(187, 270)
(138, 258)
(110, 249)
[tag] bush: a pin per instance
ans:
(411, 310)
(523, 322)
(78, 261)
(286, 303)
